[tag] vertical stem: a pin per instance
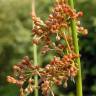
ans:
(35, 52)
(76, 49)
(35, 63)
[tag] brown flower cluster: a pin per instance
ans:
(63, 66)
(58, 71)
(58, 19)
(23, 71)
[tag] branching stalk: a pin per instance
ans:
(76, 49)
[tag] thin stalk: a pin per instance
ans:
(35, 53)
(76, 49)
(35, 63)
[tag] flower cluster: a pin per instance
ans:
(58, 19)
(22, 73)
(58, 71)
(63, 66)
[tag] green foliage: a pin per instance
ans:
(88, 45)
(15, 38)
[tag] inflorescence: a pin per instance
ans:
(63, 66)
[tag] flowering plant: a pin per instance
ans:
(65, 64)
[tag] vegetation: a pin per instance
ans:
(15, 42)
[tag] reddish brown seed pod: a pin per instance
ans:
(58, 82)
(30, 80)
(80, 14)
(11, 80)
(16, 68)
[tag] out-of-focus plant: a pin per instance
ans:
(15, 38)
(88, 53)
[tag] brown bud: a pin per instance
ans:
(11, 80)
(30, 80)
(30, 89)
(16, 68)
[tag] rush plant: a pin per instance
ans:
(63, 25)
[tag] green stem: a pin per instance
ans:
(35, 53)
(76, 49)
(35, 63)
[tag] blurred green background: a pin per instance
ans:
(16, 42)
